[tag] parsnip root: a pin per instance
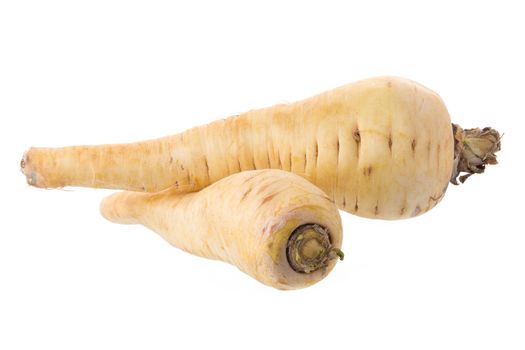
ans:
(380, 148)
(274, 225)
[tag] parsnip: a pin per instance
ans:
(381, 148)
(271, 224)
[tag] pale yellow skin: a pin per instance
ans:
(244, 219)
(380, 148)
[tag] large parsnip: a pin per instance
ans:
(380, 148)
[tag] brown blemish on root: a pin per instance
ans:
(357, 138)
(305, 160)
(390, 143)
(432, 201)
(176, 184)
(367, 171)
(356, 135)
(376, 209)
(253, 163)
(207, 167)
(245, 194)
(316, 151)
(338, 147)
(402, 211)
(344, 202)
(171, 159)
(417, 210)
(356, 206)
(239, 164)
(413, 146)
(437, 197)
(437, 154)
(267, 198)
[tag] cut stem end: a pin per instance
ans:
(473, 150)
(309, 248)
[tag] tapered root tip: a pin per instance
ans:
(26, 169)
(112, 208)
(119, 208)
(105, 208)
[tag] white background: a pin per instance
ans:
(89, 72)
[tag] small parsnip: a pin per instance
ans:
(274, 225)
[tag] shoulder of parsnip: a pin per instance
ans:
(273, 225)
(380, 148)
